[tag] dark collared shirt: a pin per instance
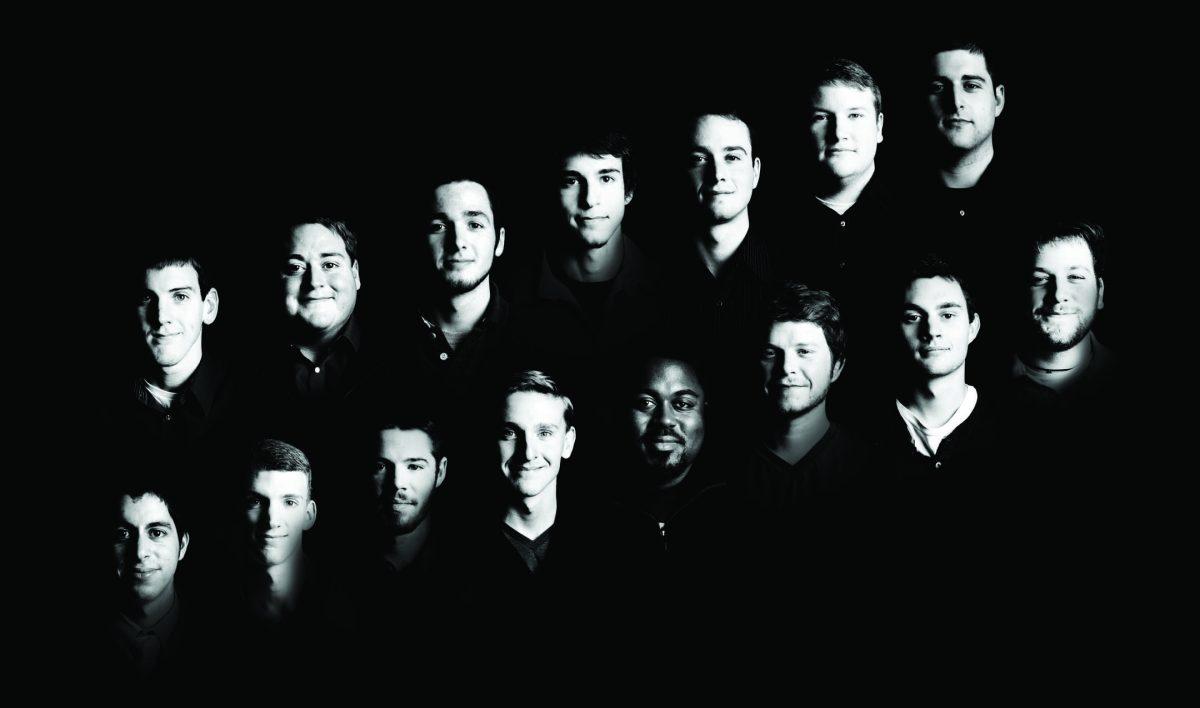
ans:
(336, 374)
(198, 406)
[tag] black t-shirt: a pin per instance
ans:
(531, 550)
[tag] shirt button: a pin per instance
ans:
(843, 224)
(317, 369)
(720, 303)
(962, 212)
(937, 465)
(168, 417)
(443, 356)
(433, 335)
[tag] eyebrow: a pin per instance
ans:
(733, 148)
(686, 392)
(477, 214)
(970, 77)
(160, 524)
(949, 306)
(416, 459)
(610, 171)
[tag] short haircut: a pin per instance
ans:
(728, 113)
(269, 455)
(424, 425)
(950, 44)
(796, 302)
(932, 265)
(170, 256)
(337, 226)
(538, 382)
(843, 72)
(598, 143)
(1089, 232)
(452, 171)
(143, 482)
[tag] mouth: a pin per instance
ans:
(399, 506)
(592, 218)
(164, 335)
(143, 573)
(956, 122)
(930, 351)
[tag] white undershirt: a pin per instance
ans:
(840, 207)
(925, 439)
(164, 397)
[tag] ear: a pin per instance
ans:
(976, 323)
(628, 198)
(999, 99)
(1100, 294)
(441, 473)
(757, 172)
(310, 514)
(183, 544)
(569, 442)
(879, 128)
(837, 370)
(499, 242)
(357, 280)
(212, 303)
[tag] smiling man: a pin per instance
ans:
(183, 391)
(150, 541)
(1066, 293)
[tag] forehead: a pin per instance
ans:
(279, 483)
(172, 277)
(591, 164)
(930, 293)
(956, 63)
(716, 133)
(144, 510)
(459, 197)
(1066, 253)
(404, 444)
(309, 240)
(529, 408)
(833, 97)
(789, 334)
(666, 377)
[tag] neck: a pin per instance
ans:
(462, 311)
(286, 580)
(936, 400)
(405, 547)
(172, 378)
(675, 480)
(846, 191)
(531, 516)
(719, 242)
(1060, 361)
(595, 265)
(966, 168)
(151, 613)
(319, 343)
(793, 438)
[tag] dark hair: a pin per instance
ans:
(795, 302)
(336, 226)
(453, 170)
(932, 265)
(843, 72)
(598, 143)
(950, 44)
(277, 456)
(171, 255)
(145, 482)
(1090, 233)
(538, 382)
(424, 425)
(726, 113)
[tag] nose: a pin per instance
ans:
(791, 362)
(143, 547)
(664, 416)
(314, 277)
(154, 313)
(927, 330)
(587, 196)
(454, 241)
(839, 129)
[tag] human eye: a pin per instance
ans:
(949, 315)
(508, 434)
(856, 114)
(293, 268)
(936, 87)
(475, 225)
(415, 466)
(253, 503)
(545, 433)
(331, 265)
(768, 353)
(1077, 277)
(436, 227)
(181, 297)
(570, 180)
(733, 157)
(121, 535)
(804, 351)
(607, 179)
(158, 534)
(972, 85)
(911, 318)
(291, 502)
(644, 404)
(685, 404)
(698, 158)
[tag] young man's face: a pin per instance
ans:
(462, 235)
(936, 327)
(278, 511)
(963, 100)
(723, 172)
(667, 418)
(320, 284)
(534, 440)
(173, 312)
(1065, 293)
(406, 473)
(147, 547)
(797, 367)
(845, 130)
(593, 197)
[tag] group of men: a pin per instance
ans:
(766, 400)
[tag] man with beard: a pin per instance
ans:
(1066, 290)
(668, 483)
